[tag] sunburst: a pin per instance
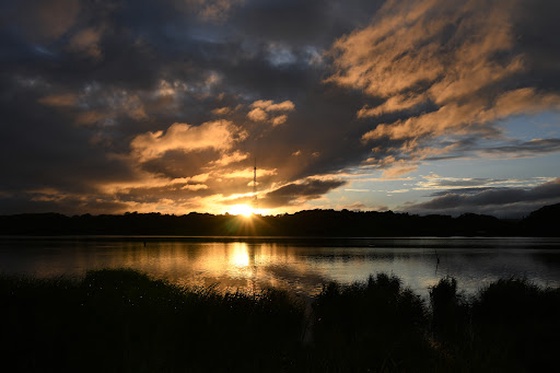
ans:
(246, 211)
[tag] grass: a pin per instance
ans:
(124, 321)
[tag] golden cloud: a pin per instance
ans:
(234, 157)
(440, 68)
(218, 135)
(257, 115)
(268, 111)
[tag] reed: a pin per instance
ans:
(122, 320)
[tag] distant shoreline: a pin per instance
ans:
(308, 224)
(323, 241)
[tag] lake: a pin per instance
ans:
(302, 265)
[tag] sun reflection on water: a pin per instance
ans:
(253, 266)
(239, 256)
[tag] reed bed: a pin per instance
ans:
(125, 321)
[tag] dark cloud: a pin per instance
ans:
(535, 26)
(44, 201)
(311, 22)
(527, 148)
(293, 193)
(512, 202)
(44, 20)
(45, 149)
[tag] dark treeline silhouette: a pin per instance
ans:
(309, 223)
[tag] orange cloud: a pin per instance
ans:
(247, 173)
(441, 68)
(392, 104)
(257, 115)
(221, 111)
(269, 105)
(62, 100)
(219, 135)
(453, 117)
(405, 48)
(262, 111)
(234, 157)
(281, 119)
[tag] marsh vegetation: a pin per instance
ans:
(122, 320)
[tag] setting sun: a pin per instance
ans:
(244, 210)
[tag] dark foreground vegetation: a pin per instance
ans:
(123, 321)
(542, 222)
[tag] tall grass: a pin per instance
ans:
(375, 325)
(124, 321)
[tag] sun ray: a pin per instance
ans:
(243, 210)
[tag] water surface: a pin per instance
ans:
(301, 265)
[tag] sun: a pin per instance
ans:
(243, 210)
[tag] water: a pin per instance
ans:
(300, 265)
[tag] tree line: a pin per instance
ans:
(308, 223)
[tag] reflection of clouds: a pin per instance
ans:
(253, 266)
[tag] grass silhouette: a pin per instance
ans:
(122, 320)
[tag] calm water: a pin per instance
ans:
(301, 265)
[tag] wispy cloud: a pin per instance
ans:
(435, 182)
(438, 69)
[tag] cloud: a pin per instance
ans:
(258, 115)
(95, 105)
(87, 41)
(521, 149)
(299, 192)
(103, 94)
(221, 111)
(234, 157)
(280, 119)
(503, 201)
(217, 135)
(214, 10)
(263, 110)
(270, 106)
(437, 69)
(433, 182)
(59, 100)
(46, 20)
(109, 83)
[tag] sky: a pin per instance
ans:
(420, 106)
